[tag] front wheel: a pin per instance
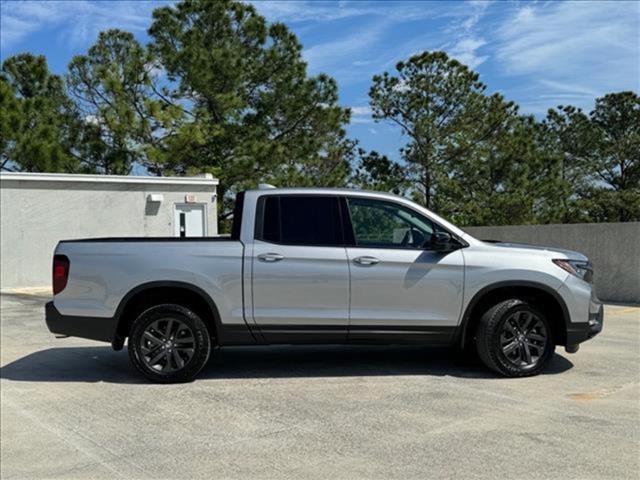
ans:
(169, 344)
(515, 339)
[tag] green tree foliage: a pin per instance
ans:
(499, 183)
(472, 158)
(441, 106)
(566, 140)
(596, 160)
(253, 113)
(220, 90)
(125, 117)
(373, 171)
(616, 158)
(38, 122)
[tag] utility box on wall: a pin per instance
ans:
(37, 210)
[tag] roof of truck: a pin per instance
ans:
(323, 190)
(269, 190)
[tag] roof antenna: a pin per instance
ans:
(265, 186)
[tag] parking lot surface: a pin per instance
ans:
(73, 408)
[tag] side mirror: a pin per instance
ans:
(440, 241)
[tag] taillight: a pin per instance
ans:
(60, 273)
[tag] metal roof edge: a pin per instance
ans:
(86, 178)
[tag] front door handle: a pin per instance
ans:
(270, 257)
(366, 260)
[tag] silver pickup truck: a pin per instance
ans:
(315, 266)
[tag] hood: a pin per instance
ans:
(570, 254)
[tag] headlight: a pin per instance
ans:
(579, 268)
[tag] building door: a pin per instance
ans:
(189, 220)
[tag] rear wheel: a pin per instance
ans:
(515, 339)
(169, 344)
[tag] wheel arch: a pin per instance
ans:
(554, 307)
(149, 294)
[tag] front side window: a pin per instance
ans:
(379, 223)
(300, 220)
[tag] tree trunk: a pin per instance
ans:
(427, 188)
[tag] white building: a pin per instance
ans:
(39, 209)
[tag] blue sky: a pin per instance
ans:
(539, 54)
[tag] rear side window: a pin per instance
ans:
(299, 220)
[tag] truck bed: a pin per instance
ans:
(103, 271)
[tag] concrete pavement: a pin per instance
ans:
(73, 408)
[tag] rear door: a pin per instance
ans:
(400, 289)
(300, 273)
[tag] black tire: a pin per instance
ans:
(515, 339)
(169, 344)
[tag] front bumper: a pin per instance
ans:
(583, 331)
(94, 328)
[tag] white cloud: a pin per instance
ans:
(79, 21)
(464, 28)
(354, 51)
(318, 10)
(361, 114)
(20, 19)
(343, 49)
(367, 46)
(465, 51)
(477, 10)
(572, 87)
(362, 63)
(576, 50)
(364, 110)
(91, 120)
(156, 70)
(537, 36)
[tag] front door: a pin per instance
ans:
(300, 274)
(399, 288)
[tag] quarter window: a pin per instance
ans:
(300, 220)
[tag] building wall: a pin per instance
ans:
(613, 248)
(35, 215)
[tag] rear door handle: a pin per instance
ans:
(270, 257)
(366, 260)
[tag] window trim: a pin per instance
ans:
(238, 212)
(353, 244)
(345, 226)
(260, 211)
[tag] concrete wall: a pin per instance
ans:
(37, 213)
(613, 248)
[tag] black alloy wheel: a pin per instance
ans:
(523, 339)
(514, 339)
(169, 343)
